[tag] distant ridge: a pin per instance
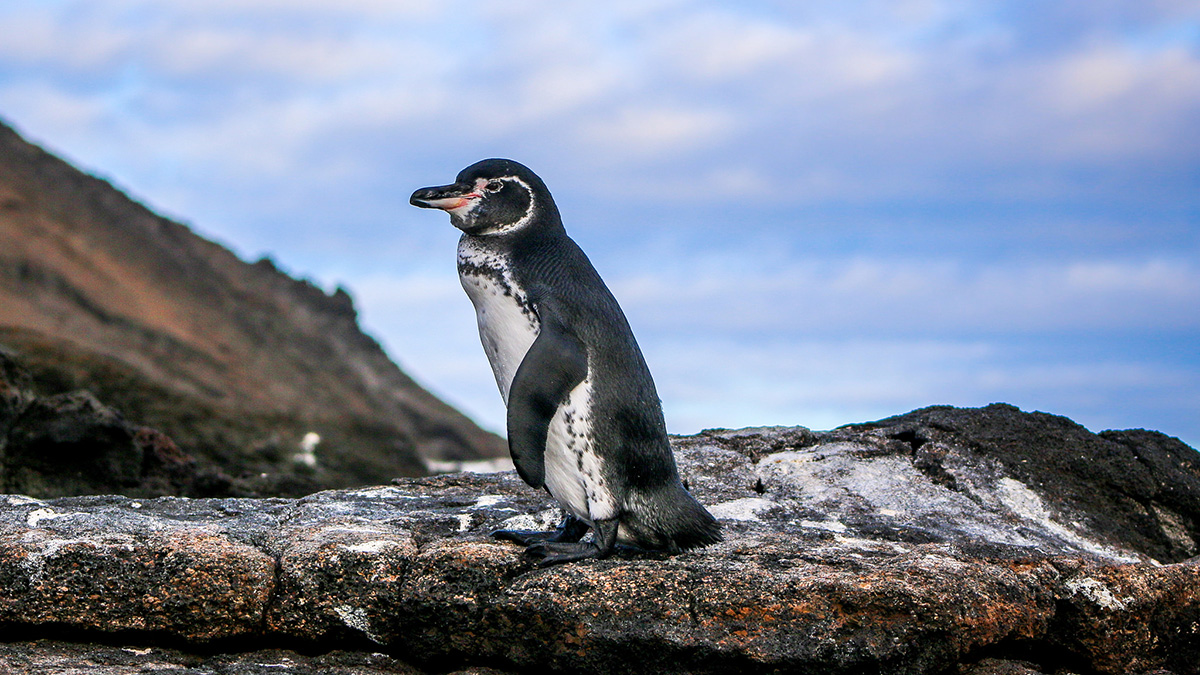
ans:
(237, 362)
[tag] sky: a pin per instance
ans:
(813, 213)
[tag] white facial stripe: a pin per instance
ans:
(480, 183)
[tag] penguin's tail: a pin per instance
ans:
(672, 519)
(695, 526)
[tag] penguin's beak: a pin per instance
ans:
(445, 197)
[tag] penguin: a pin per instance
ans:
(584, 418)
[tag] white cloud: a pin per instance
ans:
(638, 131)
(214, 51)
(712, 45)
(37, 38)
(880, 103)
(1114, 101)
(353, 8)
(870, 296)
(1161, 278)
(60, 116)
(711, 381)
(559, 88)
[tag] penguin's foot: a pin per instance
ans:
(555, 553)
(572, 529)
(558, 552)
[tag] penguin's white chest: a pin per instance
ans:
(507, 323)
(574, 470)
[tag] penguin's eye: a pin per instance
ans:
(493, 186)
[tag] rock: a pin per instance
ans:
(919, 544)
(1138, 488)
(1003, 667)
(47, 656)
(71, 444)
(248, 369)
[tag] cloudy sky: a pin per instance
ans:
(813, 213)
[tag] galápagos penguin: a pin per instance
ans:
(584, 419)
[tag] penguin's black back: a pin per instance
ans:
(627, 423)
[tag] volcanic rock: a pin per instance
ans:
(929, 543)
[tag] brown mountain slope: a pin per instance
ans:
(237, 362)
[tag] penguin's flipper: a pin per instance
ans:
(553, 366)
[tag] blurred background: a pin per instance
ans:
(813, 213)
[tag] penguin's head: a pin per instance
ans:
(491, 197)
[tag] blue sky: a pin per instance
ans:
(813, 213)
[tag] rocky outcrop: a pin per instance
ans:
(934, 542)
(237, 362)
(71, 444)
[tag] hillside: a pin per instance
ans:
(236, 362)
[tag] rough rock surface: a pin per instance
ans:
(237, 362)
(934, 542)
(72, 444)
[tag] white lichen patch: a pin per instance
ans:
(35, 517)
(802, 469)
(542, 520)
(1175, 528)
(34, 564)
(827, 525)
(1021, 500)
(487, 501)
(746, 509)
(842, 544)
(356, 530)
(845, 481)
(841, 479)
(1098, 593)
(371, 547)
(283, 663)
(1029, 505)
(382, 492)
(358, 619)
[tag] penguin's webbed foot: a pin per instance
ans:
(558, 552)
(555, 553)
(572, 529)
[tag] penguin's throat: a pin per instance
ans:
(508, 324)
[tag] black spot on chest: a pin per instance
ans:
(489, 279)
(488, 282)
(492, 281)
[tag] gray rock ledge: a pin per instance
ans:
(969, 541)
